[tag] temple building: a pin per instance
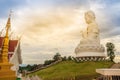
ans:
(109, 74)
(13, 49)
(89, 47)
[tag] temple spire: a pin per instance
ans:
(5, 66)
(4, 51)
(8, 25)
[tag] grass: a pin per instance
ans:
(70, 69)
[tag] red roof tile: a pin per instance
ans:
(12, 45)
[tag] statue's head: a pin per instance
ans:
(89, 16)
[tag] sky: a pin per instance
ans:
(51, 26)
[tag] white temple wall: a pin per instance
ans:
(90, 54)
(16, 59)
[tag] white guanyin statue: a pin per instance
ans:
(91, 34)
(90, 41)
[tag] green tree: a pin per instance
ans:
(69, 58)
(110, 50)
(47, 62)
(64, 58)
(28, 67)
(57, 57)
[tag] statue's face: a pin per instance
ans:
(89, 17)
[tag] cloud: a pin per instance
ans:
(50, 26)
(7, 5)
(58, 29)
(114, 39)
(49, 32)
(107, 15)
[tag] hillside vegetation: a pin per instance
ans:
(70, 70)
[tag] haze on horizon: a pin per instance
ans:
(50, 26)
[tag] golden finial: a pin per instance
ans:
(8, 25)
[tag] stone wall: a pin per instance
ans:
(44, 67)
